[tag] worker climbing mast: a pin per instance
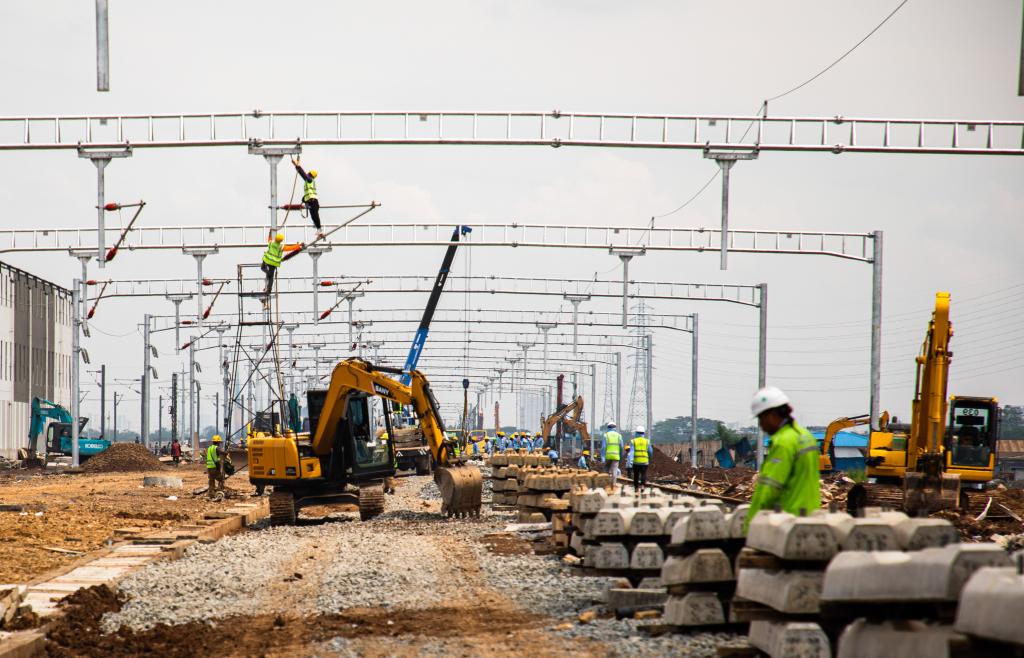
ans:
(420, 339)
(309, 196)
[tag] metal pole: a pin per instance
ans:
(726, 165)
(625, 289)
(174, 406)
(618, 387)
(693, 397)
(115, 415)
(649, 339)
(103, 401)
(876, 327)
(101, 165)
(193, 438)
(273, 160)
(593, 406)
(762, 357)
(199, 291)
(102, 47)
(75, 356)
(160, 421)
(145, 376)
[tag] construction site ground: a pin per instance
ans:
(408, 583)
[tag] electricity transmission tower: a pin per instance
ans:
(638, 365)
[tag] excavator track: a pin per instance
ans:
(371, 502)
(461, 490)
(282, 508)
(889, 496)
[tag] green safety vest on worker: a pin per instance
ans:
(274, 254)
(640, 453)
(612, 446)
(211, 456)
(789, 476)
(309, 190)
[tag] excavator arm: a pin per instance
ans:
(460, 484)
(837, 426)
(562, 415)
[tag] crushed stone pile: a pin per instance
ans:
(123, 457)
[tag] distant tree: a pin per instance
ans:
(1011, 418)
(727, 436)
(677, 430)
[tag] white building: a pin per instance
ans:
(35, 351)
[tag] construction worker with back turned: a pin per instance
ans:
(309, 197)
(271, 262)
(611, 450)
(789, 476)
(640, 452)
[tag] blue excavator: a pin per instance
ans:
(58, 434)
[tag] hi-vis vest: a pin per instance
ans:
(640, 455)
(274, 253)
(309, 190)
(211, 456)
(613, 445)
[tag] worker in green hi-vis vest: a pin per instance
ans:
(309, 196)
(272, 258)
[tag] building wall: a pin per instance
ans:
(35, 351)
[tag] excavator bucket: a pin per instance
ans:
(461, 488)
(925, 494)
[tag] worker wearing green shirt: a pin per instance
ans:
(789, 476)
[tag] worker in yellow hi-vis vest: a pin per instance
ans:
(640, 451)
(271, 262)
(309, 197)
(611, 450)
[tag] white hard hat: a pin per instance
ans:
(640, 429)
(767, 398)
(610, 423)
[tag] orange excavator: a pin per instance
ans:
(572, 422)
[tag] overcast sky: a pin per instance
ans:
(951, 222)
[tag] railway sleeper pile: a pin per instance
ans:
(859, 586)
(676, 552)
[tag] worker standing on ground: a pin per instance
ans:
(214, 460)
(611, 449)
(789, 476)
(538, 441)
(271, 261)
(582, 462)
(640, 454)
(309, 197)
(176, 451)
(500, 441)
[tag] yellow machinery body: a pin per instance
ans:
(569, 415)
(825, 460)
(341, 459)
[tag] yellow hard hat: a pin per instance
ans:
(586, 452)
(312, 172)
(216, 438)
(384, 436)
(279, 237)
(501, 434)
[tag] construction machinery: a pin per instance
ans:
(827, 459)
(920, 467)
(573, 422)
(341, 461)
(58, 434)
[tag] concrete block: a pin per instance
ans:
(649, 522)
(694, 609)
(704, 523)
(651, 582)
(647, 556)
(591, 502)
(868, 534)
(931, 574)
(675, 513)
(791, 639)
(792, 592)
(916, 534)
(991, 605)
(789, 537)
(611, 555)
(707, 565)
(619, 598)
(612, 522)
(906, 639)
(576, 543)
(157, 481)
(735, 519)
(589, 554)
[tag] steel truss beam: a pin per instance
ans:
(547, 128)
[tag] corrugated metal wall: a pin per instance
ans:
(35, 351)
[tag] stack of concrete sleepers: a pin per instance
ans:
(782, 571)
(505, 467)
(989, 615)
(906, 603)
(698, 570)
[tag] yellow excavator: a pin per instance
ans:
(827, 459)
(341, 461)
(921, 467)
(573, 422)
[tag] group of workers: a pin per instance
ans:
(274, 255)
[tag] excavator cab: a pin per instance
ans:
(971, 437)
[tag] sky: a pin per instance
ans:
(951, 223)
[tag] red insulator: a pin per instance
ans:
(206, 313)
(111, 253)
(91, 282)
(326, 283)
(292, 206)
(112, 206)
(186, 322)
(207, 282)
(326, 313)
(185, 346)
(269, 345)
(92, 311)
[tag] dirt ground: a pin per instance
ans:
(80, 513)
